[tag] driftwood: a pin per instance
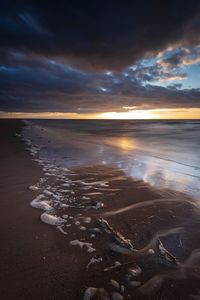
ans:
(115, 234)
(168, 256)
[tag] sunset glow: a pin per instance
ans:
(168, 113)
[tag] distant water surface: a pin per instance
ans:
(163, 153)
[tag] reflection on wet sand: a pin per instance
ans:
(164, 201)
(123, 143)
(135, 251)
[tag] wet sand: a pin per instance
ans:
(38, 261)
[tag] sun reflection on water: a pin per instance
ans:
(123, 143)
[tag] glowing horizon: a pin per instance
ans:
(164, 113)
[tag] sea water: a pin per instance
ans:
(162, 153)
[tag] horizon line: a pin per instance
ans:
(106, 119)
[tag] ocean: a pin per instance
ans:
(164, 154)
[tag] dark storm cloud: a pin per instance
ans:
(42, 75)
(98, 34)
(34, 83)
(54, 55)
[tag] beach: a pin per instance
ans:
(90, 231)
(35, 263)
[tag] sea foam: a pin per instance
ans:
(51, 220)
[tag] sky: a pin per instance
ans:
(100, 59)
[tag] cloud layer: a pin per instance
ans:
(99, 34)
(32, 83)
(55, 56)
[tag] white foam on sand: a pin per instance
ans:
(49, 193)
(134, 272)
(64, 205)
(116, 264)
(94, 260)
(82, 244)
(44, 205)
(94, 183)
(34, 188)
(151, 251)
(85, 198)
(77, 223)
(86, 219)
(82, 228)
(98, 205)
(66, 184)
(48, 174)
(93, 194)
(65, 216)
(41, 203)
(60, 227)
(64, 191)
(51, 220)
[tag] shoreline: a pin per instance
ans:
(34, 262)
(40, 263)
